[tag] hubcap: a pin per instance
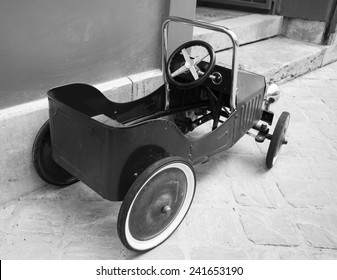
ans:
(167, 209)
(157, 204)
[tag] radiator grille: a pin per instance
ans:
(250, 112)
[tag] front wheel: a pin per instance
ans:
(44, 163)
(156, 204)
(278, 139)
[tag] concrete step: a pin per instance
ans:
(247, 27)
(278, 59)
(263, 49)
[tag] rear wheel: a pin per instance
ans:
(156, 204)
(278, 139)
(44, 163)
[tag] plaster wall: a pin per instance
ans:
(46, 43)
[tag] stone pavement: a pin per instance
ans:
(240, 211)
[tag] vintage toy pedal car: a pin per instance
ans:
(143, 152)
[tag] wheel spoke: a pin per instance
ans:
(194, 73)
(179, 71)
(197, 60)
(186, 56)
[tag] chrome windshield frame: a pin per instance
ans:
(213, 27)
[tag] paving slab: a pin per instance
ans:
(262, 193)
(269, 227)
(241, 210)
(305, 193)
(318, 228)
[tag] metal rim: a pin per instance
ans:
(172, 213)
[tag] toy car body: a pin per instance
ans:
(142, 152)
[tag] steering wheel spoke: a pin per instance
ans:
(194, 73)
(181, 70)
(181, 58)
(186, 56)
(197, 60)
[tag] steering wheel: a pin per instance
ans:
(188, 67)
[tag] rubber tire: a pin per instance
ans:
(44, 164)
(277, 139)
(136, 187)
